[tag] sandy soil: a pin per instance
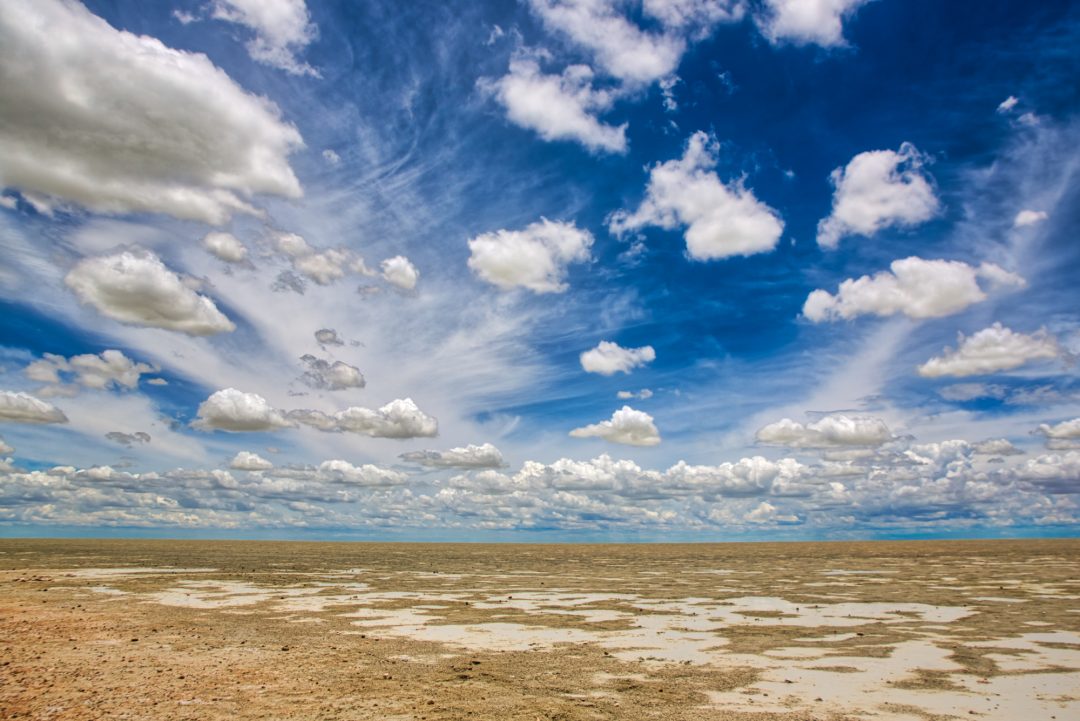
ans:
(834, 632)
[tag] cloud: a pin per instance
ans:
(1029, 217)
(5, 448)
(177, 136)
(248, 461)
(1053, 473)
(397, 419)
(135, 288)
(128, 439)
(329, 376)
(878, 189)
(110, 369)
(482, 456)
(558, 107)
(365, 475)
(1062, 436)
(996, 447)
(328, 336)
(282, 28)
(331, 157)
(627, 426)
(238, 412)
(829, 432)
(321, 266)
(610, 358)
(990, 350)
(643, 394)
(913, 287)
(1007, 104)
(23, 408)
(535, 258)
(766, 512)
(721, 220)
(806, 22)
(400, 271)
(225, 246)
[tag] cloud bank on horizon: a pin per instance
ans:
(563, 269)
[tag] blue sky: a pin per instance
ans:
(539, 270)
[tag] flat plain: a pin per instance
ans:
(923, 630)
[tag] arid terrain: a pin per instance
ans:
(829, 631)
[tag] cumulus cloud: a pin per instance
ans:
(482, 456)
(400, 418)
(990, 350)
(238, 412)
(328, 336)
(189, 142)
(806, 22)
(5, 448)
(1053, 473)
(609, 358)
(558, 107)
(1029, 217)
(766, 512)
(912, 286)
(721, 220)
(128, 439)
(18, 407)
(248, 461)
(535, 258)
(282, 28)
(830, 431)
(643, 394)
(627, 426)
(400, 271)
(996, 447)
(329, 376)
(878, 189)
(135, 288)
(321, 266)
(225, 246)
(365, 475)
(110, 369)
(1061, 436)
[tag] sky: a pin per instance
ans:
(545, 270)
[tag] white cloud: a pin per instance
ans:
(366, 475)
(282, 29)
(1066, 430)
(878, 189)
(619, 46)
(1007, 104)
(110, 369)
(225, 246)
(1029, 217)
(766, 512)
(135, 288)
(482, 456)
(23, 408)
(996, 447)
(610, 358)
(628, 426)
(400, 418)
(806, 22)
(828, 432)
(324, 267)
(238, 412)
(400, 271)
(329, 376)
(913, 287)
(188, 142)
(535, 258)
(558, 107)
(331, 157)
(128, 439)
(643, 394)
(248, 461)
(721, 220)
(1053, 473)
(5, 448)
(990, 350)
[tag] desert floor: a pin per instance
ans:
(829, 631)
